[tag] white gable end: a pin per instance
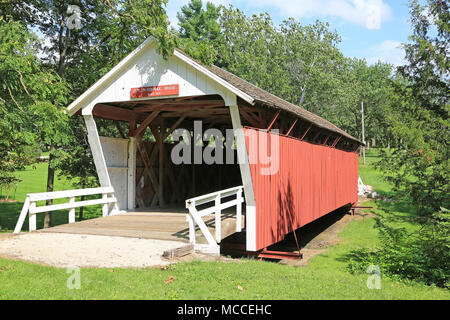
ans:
(144, 67)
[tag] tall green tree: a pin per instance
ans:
(313, 63)
(359, 83)
(106, 31)
(199, 30)
(32, 98)
(197, 23)
(419, 166)
(250, 48)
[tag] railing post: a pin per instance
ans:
(23, 215)
(105, 205)
(32, 217)
(218, 218)
(239, 211)
(31, 209)
(191, 221)
(195, 218)
(72, 210)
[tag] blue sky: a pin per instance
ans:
(370, 29)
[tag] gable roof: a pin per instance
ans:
(267, 99)
(241, 88)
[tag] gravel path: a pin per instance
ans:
(69, 250)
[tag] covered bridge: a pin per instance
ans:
(293, 166)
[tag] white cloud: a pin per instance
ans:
(368, 13)
(389, 51)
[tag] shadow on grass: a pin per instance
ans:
(400, 206)
(358, 260)
(315, 228)
(9, 213)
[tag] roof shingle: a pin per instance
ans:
(270, 100)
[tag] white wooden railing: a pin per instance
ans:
(30, 207)
(195, 217)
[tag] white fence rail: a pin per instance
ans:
(195, 217)
(30, 207)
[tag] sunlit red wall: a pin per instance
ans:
(311, 181)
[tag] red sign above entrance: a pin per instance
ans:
(144, 92)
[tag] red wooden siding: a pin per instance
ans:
(311, 181)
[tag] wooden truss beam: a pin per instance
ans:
(273, 120)
(183, 103)
(113, 113)
(160, 143)
(317, 135)
(249, 118)
(325, 142)
(291, 127)
(174, 106)
(146, 122)
(336, 141)
(173, 127)
(148, 170)
(197, 113)
(306, 132)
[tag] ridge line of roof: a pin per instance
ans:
(288, 106)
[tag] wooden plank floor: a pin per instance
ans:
(161, 224)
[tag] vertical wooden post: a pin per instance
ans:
(250, 210)
(161, 164)
(132, 151)
(72, 210)
(239, 211)
(105, 206)
(131, 174)
(193, 143)
(218, 219)
(32, 217)
(191, 222)
(131, 128)
(97, 152)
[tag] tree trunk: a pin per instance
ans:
(50, 181)
(51, 171)
(80, 215)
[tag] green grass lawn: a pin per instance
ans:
(325, 277)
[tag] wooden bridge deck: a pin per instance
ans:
(161, 224)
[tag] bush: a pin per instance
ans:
(423, 255)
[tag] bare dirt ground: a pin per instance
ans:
(69, 250)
